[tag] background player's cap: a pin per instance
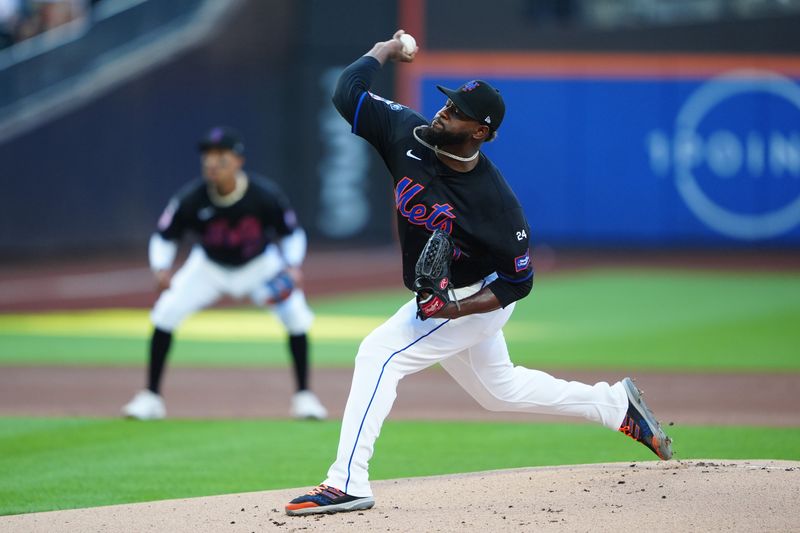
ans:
(480, 101)
(222, 137)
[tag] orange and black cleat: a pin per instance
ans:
(325, 499)
(641, 425)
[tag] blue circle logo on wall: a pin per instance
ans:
(737, 154)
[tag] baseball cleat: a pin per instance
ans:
(146, 405)
(641, 425)
(306, 406)
(325, 499)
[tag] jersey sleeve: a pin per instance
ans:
(280, 217)
(172, 223)
(511, 249)
(370, 116)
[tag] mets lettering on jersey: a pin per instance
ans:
(246, 233)
(438, 217)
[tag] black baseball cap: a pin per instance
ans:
(222, 137)
(480, 101)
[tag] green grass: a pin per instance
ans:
(50, 464)
(664, 320)
(611, 319)
(608, 319)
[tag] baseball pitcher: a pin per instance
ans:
(466, 257)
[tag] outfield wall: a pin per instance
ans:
(635, 150)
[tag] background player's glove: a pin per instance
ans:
(432, 275)
(280, 287)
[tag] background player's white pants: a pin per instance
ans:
(473, 350)
(200, 282)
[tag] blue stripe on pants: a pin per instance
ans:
(360, 427)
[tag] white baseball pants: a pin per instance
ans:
(200, 282)
(473, 351)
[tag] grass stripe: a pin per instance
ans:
(607, 319)
(52, 464)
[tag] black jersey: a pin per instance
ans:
(477, 208)
(233, 234)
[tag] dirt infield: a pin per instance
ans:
(125, 280)
(674, 496)
(428, 395)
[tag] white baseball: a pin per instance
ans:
(409, 43)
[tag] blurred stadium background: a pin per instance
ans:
(635, 124)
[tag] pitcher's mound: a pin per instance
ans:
(710, 495)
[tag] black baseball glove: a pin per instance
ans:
(432, 275)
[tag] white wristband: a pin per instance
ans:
(161, 252)
(293, 247)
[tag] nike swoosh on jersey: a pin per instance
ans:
(205, 213)
(412, 156)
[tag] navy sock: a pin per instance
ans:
(159, 348)
(298, 346)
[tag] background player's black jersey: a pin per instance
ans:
(234, 234)
(478, 208)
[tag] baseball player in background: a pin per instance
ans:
(442, 181)
(250, 245)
